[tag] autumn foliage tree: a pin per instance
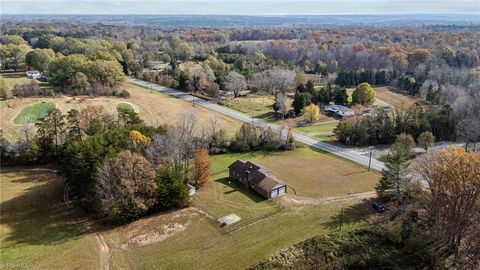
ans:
(311, 113)
(363, 95)
(450, 203)
(126, 187)
(202, 165)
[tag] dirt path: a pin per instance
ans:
(295, 201)
(104, 252)
(104, 249)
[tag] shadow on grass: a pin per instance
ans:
(39, 215)
(351, 214)
(266, 116)
(238, 187)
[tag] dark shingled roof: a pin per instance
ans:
(258, 176)
(237, 165)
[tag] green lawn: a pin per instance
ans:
(318, 128)
(226, 196)
(202, 246)
(34, 112)
(125, 106)
(12, 79)
(37, 229)
(311, 173)
(258, 106)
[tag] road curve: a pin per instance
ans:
(336, 150)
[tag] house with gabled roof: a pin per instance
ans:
(257, 178)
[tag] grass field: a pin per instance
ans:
(258, 106)
(153, 107)
(311, 173)
(37, 229)
(394, 98)
(319, 128)
(34, 112)
(224, 196)
(12, 79)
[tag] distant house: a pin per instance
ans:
(338, 111)
(257, 178)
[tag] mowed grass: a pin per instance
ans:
(226, 196)
(37, 229)
(12, 79)
(258, 106)
(311, 173)
(34, 112)
(202, 246)
(324, 128)
(125, 106)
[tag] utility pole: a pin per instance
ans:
(370, 159)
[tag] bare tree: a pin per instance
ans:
(281, 104)
(177, 146)
(235, 83)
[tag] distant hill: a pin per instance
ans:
(377, 20)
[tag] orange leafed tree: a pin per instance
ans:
(202, 165)
(138, 138)
(451, 201)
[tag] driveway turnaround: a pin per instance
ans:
(343, 152)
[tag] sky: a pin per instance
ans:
(248, 7)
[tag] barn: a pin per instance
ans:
(257, 178)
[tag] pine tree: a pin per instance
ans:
(392, 176)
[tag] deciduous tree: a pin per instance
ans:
(202, 166)
(126, 187)
(363, 95)
(450, 201)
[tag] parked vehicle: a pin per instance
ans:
(379, 207)
(33, 74)
(43, 78)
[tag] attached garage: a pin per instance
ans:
(257, 178)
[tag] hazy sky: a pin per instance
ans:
(230, 7)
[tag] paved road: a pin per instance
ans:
(350, 154)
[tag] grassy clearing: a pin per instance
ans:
(37, 230)
(326, 128)
(12, 79)
(202, 246)
(225, 196)
(33, 113)
(378, 100)
(258, 106)
(397, 100)
(311, 173)
(125, 106)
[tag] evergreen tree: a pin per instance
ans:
(392, 178)
(299, 102)
(341, 96)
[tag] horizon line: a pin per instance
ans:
(256, 15)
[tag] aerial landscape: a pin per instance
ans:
(215, 134)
